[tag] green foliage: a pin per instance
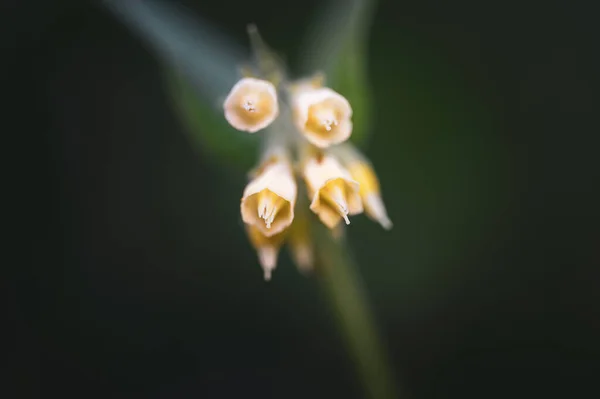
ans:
(207, 126)
(201, 64)
(349, 77)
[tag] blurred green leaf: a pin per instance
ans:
(209, 129)
(350, 78)
(337, 44)
(201, 67)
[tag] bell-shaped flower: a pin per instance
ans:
(370, 193)
(333, 193)
(251, 105)
(322, 115)
(267, 248)
(269, 199)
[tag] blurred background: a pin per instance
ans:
(137, 279)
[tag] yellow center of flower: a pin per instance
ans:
(249, 106)
(269, 204)
(254, 106)
(323, 118)
(334, 195)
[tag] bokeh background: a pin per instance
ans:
(138, 280)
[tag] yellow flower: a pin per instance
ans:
(251, 105)
(321, 115)
(333, 193)
(267, 248)
(269, 199)
(363, 173)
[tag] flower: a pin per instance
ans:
(268, 200)
(322, 115)
(251, 105)
(306, 125)
(267, 248)
(333, 193)
(369, 190)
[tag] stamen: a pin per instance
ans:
(345, 216)
(269, 214)
(271, 217)
(249, 106)
(262, 206)
(337, 199)
(329, 124)
(268, 207)
(323, 117)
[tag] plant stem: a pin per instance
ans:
(343, 287)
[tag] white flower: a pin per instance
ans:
(322, 115)
(267, 248)
(251, 105)
(269, 199)
(370, 194)
(333, 193)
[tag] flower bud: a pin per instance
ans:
(300, 244)
(269, 199)
(333, 193)
(251, 105)
(339, 232)
(364, 174)
(322, 115)
(267, 248)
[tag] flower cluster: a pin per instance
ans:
(307, 127)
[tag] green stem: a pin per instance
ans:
(343, 286)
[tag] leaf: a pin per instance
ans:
(337, 44)
(208, 129)
(201, 67)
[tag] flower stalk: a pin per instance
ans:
(344, 289)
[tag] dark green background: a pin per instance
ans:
(137, 280)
